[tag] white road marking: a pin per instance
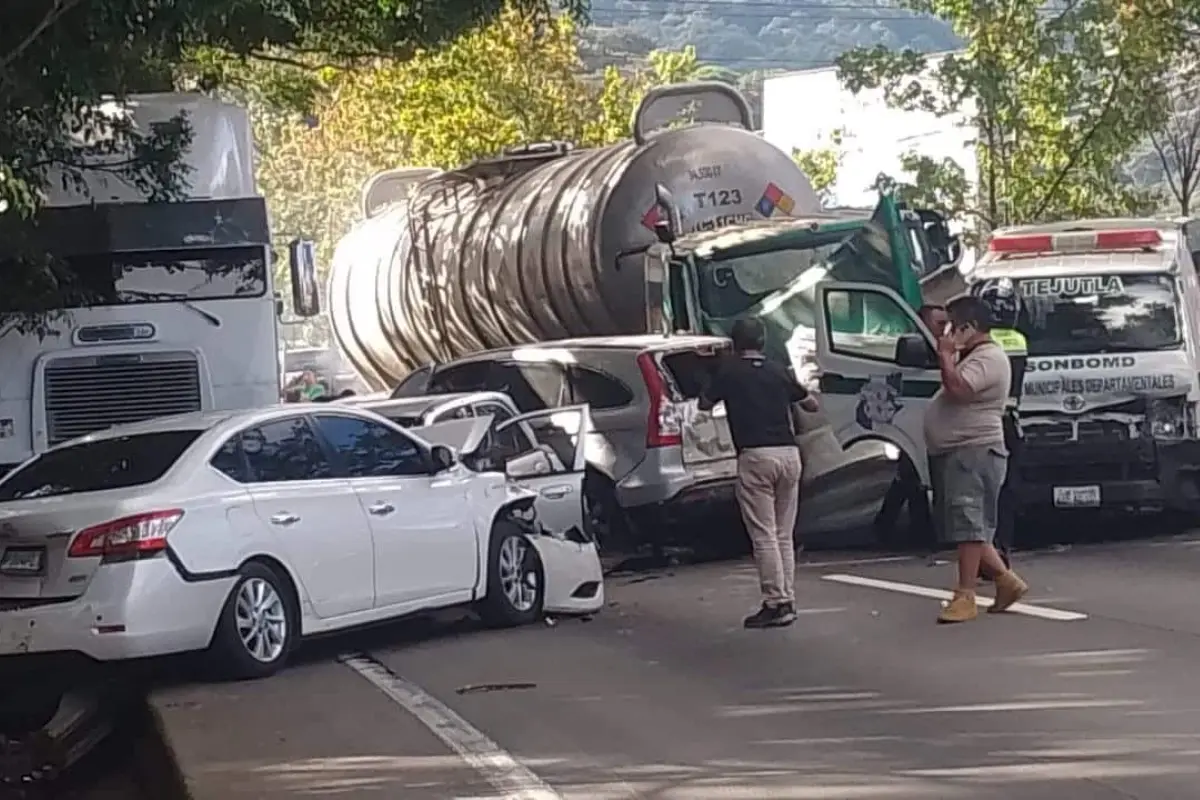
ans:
(854, 562)
(1041, 612)
(1020, 705)
(510, 777)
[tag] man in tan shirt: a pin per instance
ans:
(964, 436)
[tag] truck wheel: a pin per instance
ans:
(516, 583)
(259, 625)
(905, 495)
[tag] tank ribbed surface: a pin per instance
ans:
(548, 248)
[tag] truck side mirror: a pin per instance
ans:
(662, 230)
(670, 222)
(912, 350)
(302, 264)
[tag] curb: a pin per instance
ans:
(157, 765)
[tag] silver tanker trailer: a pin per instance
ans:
(548, 241)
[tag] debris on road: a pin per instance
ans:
(478, 688)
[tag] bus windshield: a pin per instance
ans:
(206, 273)
(1109, 313)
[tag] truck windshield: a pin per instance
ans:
(212, 273)
(732, 287)
(1110, 313)
(728, 288)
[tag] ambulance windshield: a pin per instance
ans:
(1105, 313)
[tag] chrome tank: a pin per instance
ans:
(542, 243)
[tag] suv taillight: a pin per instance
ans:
(664, 426)
(127, 537)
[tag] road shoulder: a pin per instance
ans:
(316, 728)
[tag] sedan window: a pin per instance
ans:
(231, 461)
(285, 450)
(370, 450)
(117, 463)
(497, 412)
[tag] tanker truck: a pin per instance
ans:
(678, 228)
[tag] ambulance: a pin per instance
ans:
(1111, 314)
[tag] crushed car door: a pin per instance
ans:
(865, 392)
(544, 451)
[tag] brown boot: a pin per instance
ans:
(1009, 589)
(961, 608)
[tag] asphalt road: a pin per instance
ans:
(1090, 694)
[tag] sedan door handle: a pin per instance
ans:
(381, 509)
(285, 518)
(555, 492)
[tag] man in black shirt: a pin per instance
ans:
(758, 397)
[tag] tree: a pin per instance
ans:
(60, 58)
(1177, 142)
(821, 164)
(1057, 97)
(941, 186)
(514, 81)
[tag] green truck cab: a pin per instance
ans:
(781, 271)
(703, 281)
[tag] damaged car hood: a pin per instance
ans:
(463, 436)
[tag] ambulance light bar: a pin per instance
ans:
(1076, 241)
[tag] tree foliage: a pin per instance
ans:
(1056, 95)
(821, 164)
(516, 80)
(940, 185)
(60, 58)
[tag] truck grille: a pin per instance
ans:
(89, 393)
(1071, 450)
(1046, 434)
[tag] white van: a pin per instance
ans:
(1111, 312)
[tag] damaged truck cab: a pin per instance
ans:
(704, 281)
(776, 270)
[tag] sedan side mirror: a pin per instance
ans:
(912, 350)
(441, 458)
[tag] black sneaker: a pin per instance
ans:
(789, 613)
(770, 617)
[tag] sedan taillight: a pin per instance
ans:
(126, 537)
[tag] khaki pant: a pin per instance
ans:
(768, 492)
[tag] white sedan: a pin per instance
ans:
(241, 532)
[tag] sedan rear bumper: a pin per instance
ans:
(129, 610)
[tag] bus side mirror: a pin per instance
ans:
(302, 264)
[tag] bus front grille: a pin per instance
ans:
(84, 394)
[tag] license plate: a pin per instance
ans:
(1076, 496)
(22, 561)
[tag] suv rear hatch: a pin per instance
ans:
(702, 435)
